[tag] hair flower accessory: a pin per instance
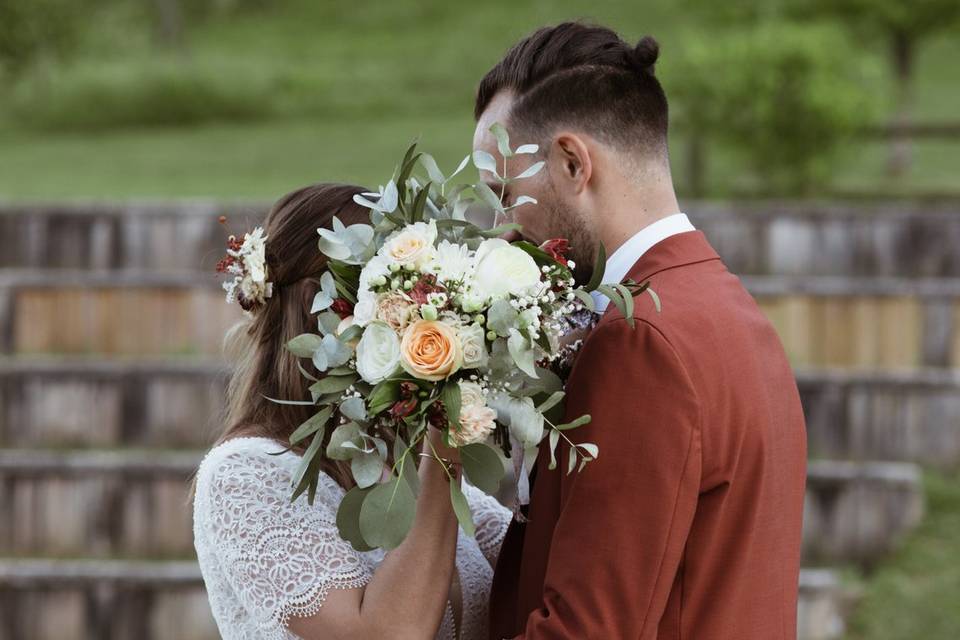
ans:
(246, 261)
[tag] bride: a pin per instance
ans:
(277, 569)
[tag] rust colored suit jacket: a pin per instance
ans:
(687, 526)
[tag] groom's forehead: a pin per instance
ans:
(497, 111)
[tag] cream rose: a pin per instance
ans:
(378, 353)
(503, 269)
(477, 420)
(411, 245)
(476, 423)
(473, 342)
(397, 310)
(430, 350)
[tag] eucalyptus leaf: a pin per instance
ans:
(313, 424)
(344, 433)
(486, 194)
(586, 299)
(332, 246)
(327, 323)
(482, 466)
(550, 402)
(367, 469)
(485, 162)
(501, 317)
(460, 167)
(308, 455)
(348, 518)
(462, 508)
(503, 139)
(523, 200)
(450, 395)
(572, 460)
(592, 449)
(321, 302)
(554, 439)
(353, 409)
(526, 148)
(430, 164)
(386, 514)
(627, 304)
(599, 266)
(522, 352)
(531, 171)
(332, 384)
(304, 344)
(582, 420)
(656, 298)
(404, 459)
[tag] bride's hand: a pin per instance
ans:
(433, 443)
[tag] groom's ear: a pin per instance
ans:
(576, 165)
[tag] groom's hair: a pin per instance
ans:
(587, 78)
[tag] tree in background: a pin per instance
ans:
(904, 27)
(33, 29)
(782, 96)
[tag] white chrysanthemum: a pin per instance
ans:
(452, 262)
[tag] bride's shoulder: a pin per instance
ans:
(244, 450)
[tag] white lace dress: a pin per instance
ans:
(264, 559)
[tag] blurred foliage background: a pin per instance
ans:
(246, 98)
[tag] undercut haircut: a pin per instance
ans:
(586, 78)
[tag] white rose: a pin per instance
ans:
(412, 245)
(378, 353)
(365, 311)
(503, 269)
(474, 346)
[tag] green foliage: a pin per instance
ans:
(38, 28)
(159, 92)
(914, 20)
(914, 593)
(779, 94)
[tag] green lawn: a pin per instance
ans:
(328, 91)
(913, 595)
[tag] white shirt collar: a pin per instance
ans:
(627, 254)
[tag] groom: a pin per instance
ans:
(688, 524)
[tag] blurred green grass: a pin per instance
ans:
(913, 594)
(310, 91)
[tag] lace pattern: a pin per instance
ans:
(265, 559)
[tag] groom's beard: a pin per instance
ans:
(567, 222)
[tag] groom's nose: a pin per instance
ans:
(511, 236)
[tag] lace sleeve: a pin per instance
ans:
(280, 559)
(491, 519)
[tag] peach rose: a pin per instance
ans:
(430, 350)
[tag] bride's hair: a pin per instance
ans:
(261, 366)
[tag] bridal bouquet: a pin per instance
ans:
(426, 319)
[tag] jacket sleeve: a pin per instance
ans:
(625, 517)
